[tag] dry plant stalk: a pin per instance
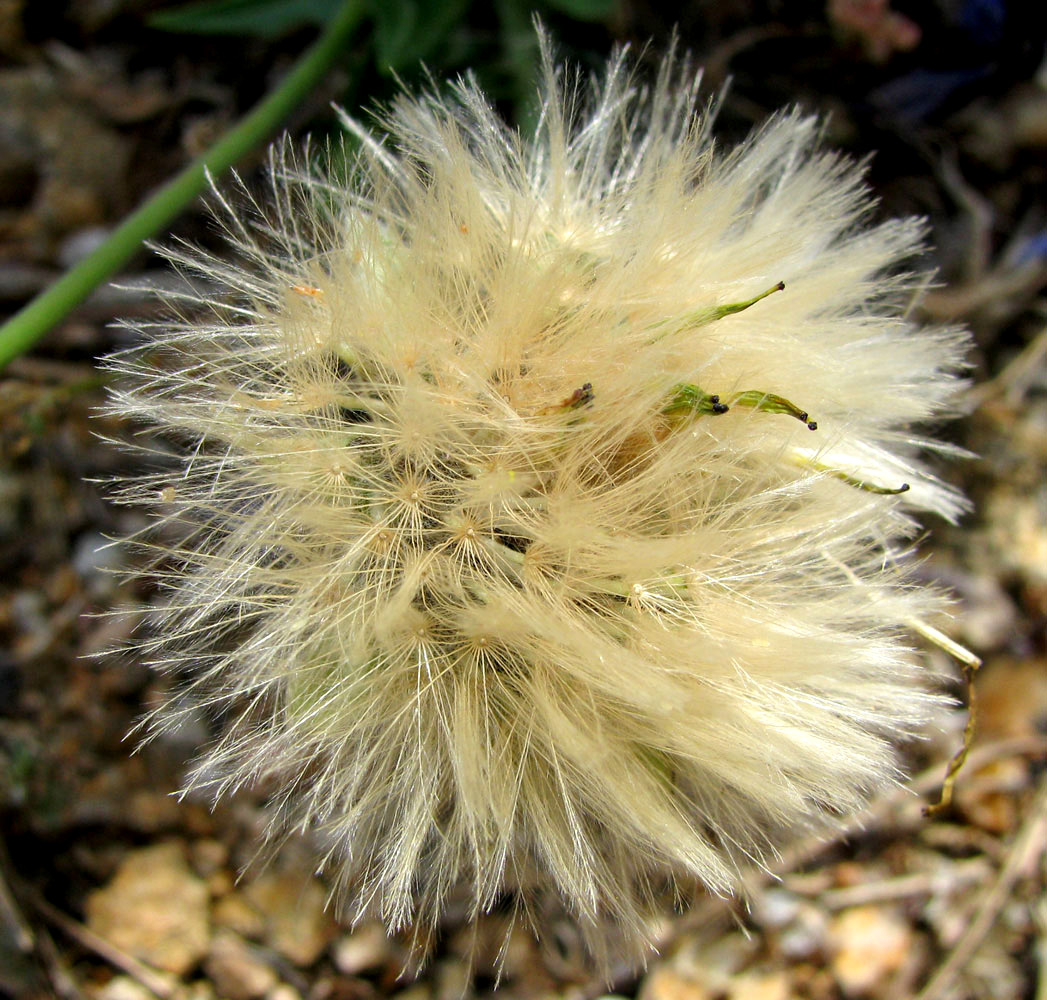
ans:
(499, 534)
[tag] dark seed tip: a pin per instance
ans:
(714, 400)
(720, 407)
(780, 286)
(904, 488)
(812, 425)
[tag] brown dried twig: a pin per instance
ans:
(1027, 847)
(153, 980)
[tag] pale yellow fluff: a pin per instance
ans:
(481, 584)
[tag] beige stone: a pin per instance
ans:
(666, 984)
(365, 948)
(297, 924)
(154, 908)
(754, 986)
(870, 942)
(235, 970)
(236, 913)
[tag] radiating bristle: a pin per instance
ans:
(496, 534)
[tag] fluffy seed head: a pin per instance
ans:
(519, 548)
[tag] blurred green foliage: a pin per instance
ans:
(271, 18)
(496, 39)
(265, 18)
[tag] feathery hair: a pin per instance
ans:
(525, 532)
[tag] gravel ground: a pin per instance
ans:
(111, 888)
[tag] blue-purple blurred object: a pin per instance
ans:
(975, 47)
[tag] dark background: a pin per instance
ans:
(102, 100)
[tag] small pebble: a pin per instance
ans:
(297, 924)
(666, 984)
(123, 988)
(805, 936)
(775, 908)
(751, 986)
(870, 943)
(155, 908)
(235, 970)
(283, 992)
(365, 948)
(236, 913)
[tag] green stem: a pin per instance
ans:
(768, 402)
(702, 317)
(28, 325)
(845, 477)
